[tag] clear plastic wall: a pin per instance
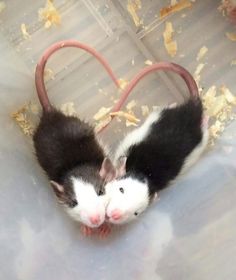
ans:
(190, 233)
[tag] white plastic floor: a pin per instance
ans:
(190, 233)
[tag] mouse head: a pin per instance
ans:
(128, 197)
(81, 201)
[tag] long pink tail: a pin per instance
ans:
(166, 66)
(39, 73)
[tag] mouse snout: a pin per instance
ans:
(95, 219)
(116, 214)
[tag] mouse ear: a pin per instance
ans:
(121, 166)
(107, 171)
(58, 189)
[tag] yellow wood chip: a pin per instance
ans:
(231, 99)
(231, 36)
(233, 62)
(34, 108)
(202, 53)
(133, 6)
(22, 120)
(198, 71)
(48, 74)
(102, 113)
(49, 15)
(123, 83)
(170, 45)
(131, 105)
(129, 123)
(2, 6)
(183, 4)
(215, 129)
(218, 105)
(128, 116)
(102, 123)
(173, 2)
(145, 110)
(209, 96)
(68, 109)
(148, 62)
(24, 31)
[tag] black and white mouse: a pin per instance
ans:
(75, 162)
(153, 155)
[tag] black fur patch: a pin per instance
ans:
(64, 146)
(161, 155)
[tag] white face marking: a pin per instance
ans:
(137, 135)
(89, 204)
(127, 197)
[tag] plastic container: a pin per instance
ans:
(190, 232)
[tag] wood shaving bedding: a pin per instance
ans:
(145, 110)
(34, 108)
(123, 83)
(68, 109)
(197, 72)
(23, 121)
(148, 62)
(133, 6)
(102, 123)
(173, 2)
(166, 11)
(102, 113)
(24, 32)
(49, 15)
(231, 36)
(2, 6)
(131, 105)
(127, 116)
(219, 105)
(170, 45)
(48, 74)
(202, 52)
(233, 62)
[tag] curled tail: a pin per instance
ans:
(39, 73)
(164, 66)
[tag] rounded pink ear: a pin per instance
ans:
(58, 188)
(121, 167)
(107, 171)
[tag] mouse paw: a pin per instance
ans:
(86, 231)
(104, 230)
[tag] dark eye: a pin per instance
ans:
(121, 190)
(101, 192)
(136, 213)
(73, 203)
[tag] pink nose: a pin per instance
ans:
(116, 214)
(95, 220)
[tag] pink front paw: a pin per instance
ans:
(104, 230)
(86, 231)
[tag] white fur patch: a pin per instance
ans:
(137, 135)
(89, 203)
(134, 198)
